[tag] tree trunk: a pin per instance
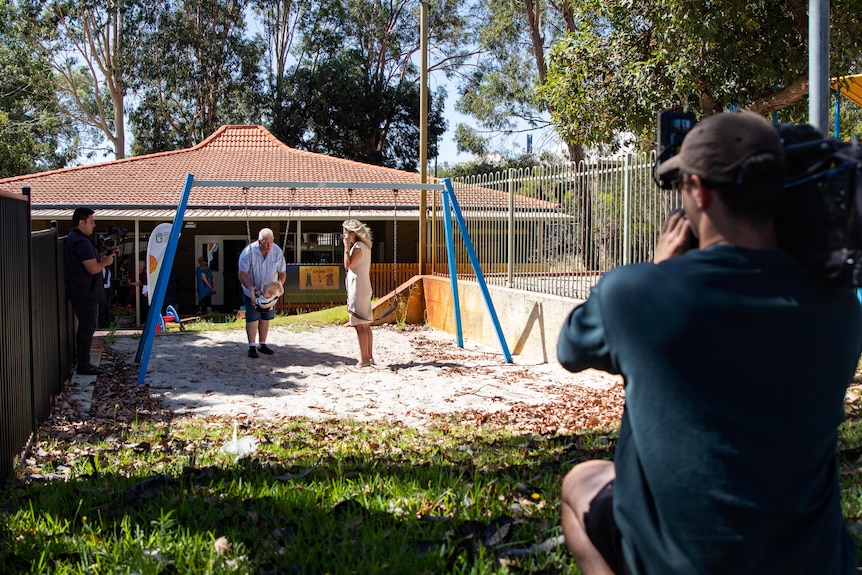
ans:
(781, 99)
(535, 24)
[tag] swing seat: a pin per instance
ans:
(408, 299)
(265, 303)
(390, 311)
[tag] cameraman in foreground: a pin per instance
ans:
(736, 361)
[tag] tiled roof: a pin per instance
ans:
(232, 153)
(235, 153)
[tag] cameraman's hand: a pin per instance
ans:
(675, 239)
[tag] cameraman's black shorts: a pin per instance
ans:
(602, 529)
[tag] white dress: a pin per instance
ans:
(358, 282)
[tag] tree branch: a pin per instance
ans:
(781, 99)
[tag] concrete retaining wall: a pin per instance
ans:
(530, 321)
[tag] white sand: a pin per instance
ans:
(419, 371)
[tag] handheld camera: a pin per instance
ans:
(819, 213)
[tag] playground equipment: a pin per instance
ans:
(171, 318)
(451, 207)
(850, 87)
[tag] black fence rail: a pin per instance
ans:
(52, 337)
(36, 326)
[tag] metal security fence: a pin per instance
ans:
(36, 327)
(561, 227)
(52, 336)
(16, 392)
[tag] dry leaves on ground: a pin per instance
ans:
(576, 408)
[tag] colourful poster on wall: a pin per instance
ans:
(156, 247)
(212, 248)
(318, 278)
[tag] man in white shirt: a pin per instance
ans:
(260, 262)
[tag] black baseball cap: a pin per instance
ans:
(717, 146)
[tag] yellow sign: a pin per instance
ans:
(318, 277)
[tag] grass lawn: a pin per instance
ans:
(144, 492)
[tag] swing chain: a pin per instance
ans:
(245, 202)
(287, 225)
(395, 243)
(248, 234)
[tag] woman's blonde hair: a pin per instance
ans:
(363, 234)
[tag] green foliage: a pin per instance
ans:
(486, 165)
(194, 71)
(849, 452)
(500, 89)
(304, 321)
(353, 90)
(334, 108)
(850, 120)
(468, 140)
(85, 45)
(34, 135)
(626, 60)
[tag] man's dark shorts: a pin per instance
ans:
(603, 532)
(254, 314)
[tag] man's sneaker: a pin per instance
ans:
(252, 352)
(264, 349)
(90, 370)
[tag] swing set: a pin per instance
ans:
(449, 201)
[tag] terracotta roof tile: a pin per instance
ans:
(232, 153)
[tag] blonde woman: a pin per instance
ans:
(357, 262)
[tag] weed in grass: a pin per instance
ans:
(111, 336)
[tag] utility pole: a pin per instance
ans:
(818, 65)
(423, 131)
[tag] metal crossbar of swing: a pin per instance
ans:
(345, 185)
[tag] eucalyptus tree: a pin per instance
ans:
(280, 24)
(195, 69)
(352, 87)
(34, 133)
(627, 59)
(500, 86)
(84, 43)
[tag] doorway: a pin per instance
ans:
(222, 253)
(232, 290)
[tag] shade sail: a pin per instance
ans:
(850, 87)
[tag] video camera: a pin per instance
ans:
(110, 240)
(818, 216)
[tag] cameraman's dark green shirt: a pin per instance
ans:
(736, 365)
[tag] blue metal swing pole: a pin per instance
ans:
(155, 312)
(474, 261)
(450, 256)
(836, 120)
